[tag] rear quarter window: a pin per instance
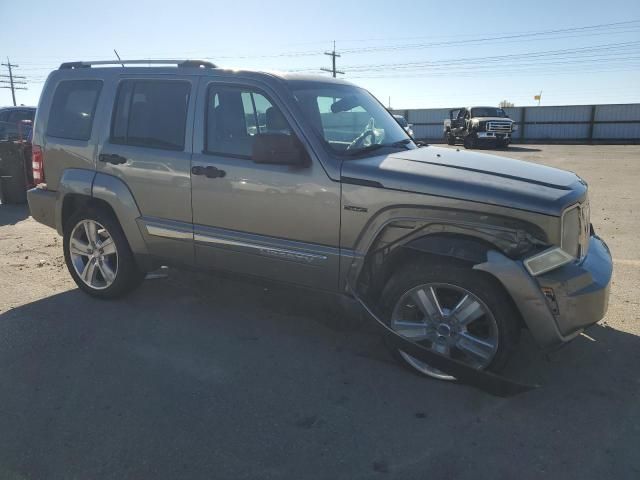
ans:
(73, 108)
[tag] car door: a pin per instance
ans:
(275, 221)
(148, 146)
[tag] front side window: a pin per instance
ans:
(151, 113)
(349, 119)
(73, 108)
(235, 116)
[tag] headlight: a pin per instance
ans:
(570, 241)
(546, 261)
(514, 127)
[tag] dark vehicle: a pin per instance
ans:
(16, 174)
(311, 181)
(404, 124)
(15, 115)
(479, 125)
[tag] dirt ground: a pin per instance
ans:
(197, 376)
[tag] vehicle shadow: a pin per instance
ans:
(204, 376)
(11, 214)
(518, 148)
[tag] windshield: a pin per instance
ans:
(487, 112)
(349, 119)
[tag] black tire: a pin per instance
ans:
(451, 139)
(469, 142)
(480, 284)
(502, 144)
(128, 275)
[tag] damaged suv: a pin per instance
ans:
(311, 181)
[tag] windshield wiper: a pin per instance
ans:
(402, 143)
(369, 148)
(399, 144)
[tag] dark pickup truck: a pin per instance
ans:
(476, 125)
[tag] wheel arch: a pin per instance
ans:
(80, 188)
(451, 248)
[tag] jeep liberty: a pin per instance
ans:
(311, 181)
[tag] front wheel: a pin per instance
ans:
(469, 142)
(454, 311)
(451, 139)
(98, 255)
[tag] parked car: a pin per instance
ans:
(479, 125)
(15, 156)
(15, 115)
(404, 124)
(311, 181)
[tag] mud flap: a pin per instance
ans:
(486, 381)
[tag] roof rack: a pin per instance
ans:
(179, 63)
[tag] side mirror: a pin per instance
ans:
(279, 149)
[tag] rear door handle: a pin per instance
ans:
(112, 158)
(208, 171)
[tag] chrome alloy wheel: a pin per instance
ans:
(449, 320)
(93, 254)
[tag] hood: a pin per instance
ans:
(476, 177)
(487, 119)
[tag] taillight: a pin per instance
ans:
(37, 164)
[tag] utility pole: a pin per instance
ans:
(333, 56)
(13, 80)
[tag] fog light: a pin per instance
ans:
(546, 261)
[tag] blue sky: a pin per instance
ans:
(419, 53)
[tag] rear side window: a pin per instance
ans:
(73, 108)
(151, 113)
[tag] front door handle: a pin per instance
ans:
(114, 158)
(209, 171)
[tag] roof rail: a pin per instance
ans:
(179, 63)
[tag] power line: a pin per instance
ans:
(12, 80)
(333, 56)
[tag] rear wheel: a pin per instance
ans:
(98, 256)
(454, 311)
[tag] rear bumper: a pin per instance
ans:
(578, 295)
(42, 206)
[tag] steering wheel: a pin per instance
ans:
(368, 133)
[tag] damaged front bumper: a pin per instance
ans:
(558, 305)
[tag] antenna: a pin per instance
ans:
(119, 59)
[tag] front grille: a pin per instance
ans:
(499, 126)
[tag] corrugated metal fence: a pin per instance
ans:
(615, 123)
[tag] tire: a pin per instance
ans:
(498, 325)
(113, 274)
(451, 139)
(469, 142)
(502, 144)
